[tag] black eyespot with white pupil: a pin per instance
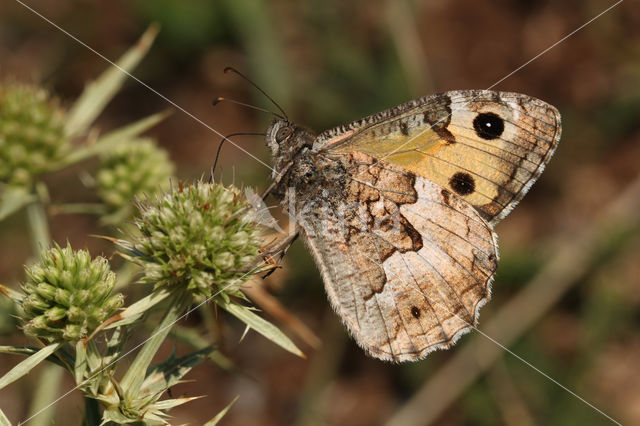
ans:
(488, 125)
(283, 133)
(462, 183)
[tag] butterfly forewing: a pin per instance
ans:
(487, 147)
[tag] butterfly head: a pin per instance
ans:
(286, 140)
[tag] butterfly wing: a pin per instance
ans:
(405, 262)
(487, 147)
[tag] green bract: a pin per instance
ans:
(200, 236)
(32, 137)
(132, 170)
(67, 295)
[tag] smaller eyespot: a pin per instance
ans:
(415, 312)
(462, 183)
(283, 133)
(488, 125)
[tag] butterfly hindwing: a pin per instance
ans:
(487, 147)
(406, 263)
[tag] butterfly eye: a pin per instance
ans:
(488, 125)
(283, 133)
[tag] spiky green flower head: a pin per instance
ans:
(200, 237)
(132, 169)
(32, 137)
(68, 294)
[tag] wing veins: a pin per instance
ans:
(404, 193)
(370, 234)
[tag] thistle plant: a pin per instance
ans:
(199, 237)
(195, 242)
(32, 136)
(68, 295)
(131, 170)
(198, 242)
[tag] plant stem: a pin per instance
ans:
(136, 373)
(38, 225)
(51, 376)
(46, 391)
(92, 412)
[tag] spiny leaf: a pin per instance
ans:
(168, 404)
(134, 312)
(133, 378)
(107, 141)
(170, 372)
(80, 367)
(4, 421)
(27, 365)
(260, 325)
(97, 94)
(214, 421)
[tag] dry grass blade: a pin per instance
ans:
(508, 397)
(273, 307)
(569, 261)
(406, 38)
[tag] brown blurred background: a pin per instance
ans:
(567, 292)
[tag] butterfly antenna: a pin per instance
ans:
(217, 100)
(227, 69)
(226, 138)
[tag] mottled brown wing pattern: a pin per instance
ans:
(406, 263)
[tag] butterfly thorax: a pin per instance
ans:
(298, 171)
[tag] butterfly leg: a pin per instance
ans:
(276, 181)
(281, 246)
(267, 191)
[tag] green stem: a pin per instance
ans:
(46, 390)
(51, 375)
(39, 226)
(132, 380)
(78, 208)
(92, 411)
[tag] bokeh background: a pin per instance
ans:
(567, 293)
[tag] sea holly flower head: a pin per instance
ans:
(200, 236)
(32, 137)
(132, 169)
(68, 295)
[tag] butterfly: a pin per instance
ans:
(398, 209)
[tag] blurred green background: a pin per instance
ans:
(567, 292)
